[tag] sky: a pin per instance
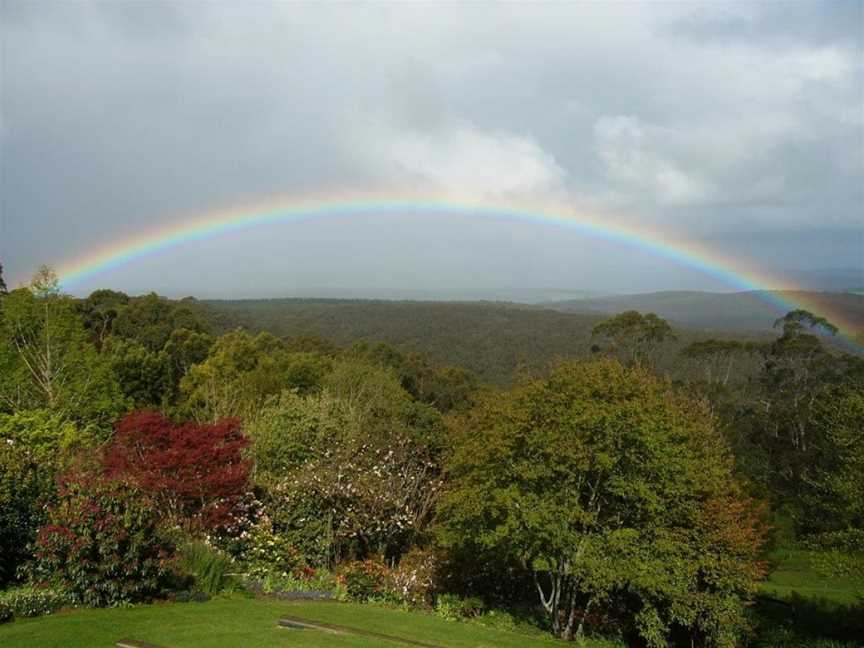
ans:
(737, 125)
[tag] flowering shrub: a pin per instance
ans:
(32, 601)
(266, 552)
(374, 496)
(413, 580)
(364, 580)
(103, 544)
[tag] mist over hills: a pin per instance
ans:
(707, 310)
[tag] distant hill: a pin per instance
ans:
(706, 310)
(497, 340)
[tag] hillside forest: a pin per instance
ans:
(599, 477)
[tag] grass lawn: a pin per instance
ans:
(797, 572)
(244, 622)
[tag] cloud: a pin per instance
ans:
(630, 153)
(461, 160)
(735, 123)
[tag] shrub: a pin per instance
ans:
(453, 607)
(103, 544)
(25, 484)
(448, 606)
(32, 601)
(34, 445)
(305, 583)
(265, 552)
(208, 567)
(364, 580)
(5, 612)
(413, 580)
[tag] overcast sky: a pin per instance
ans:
(738, 124)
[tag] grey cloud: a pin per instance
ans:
(118, 117)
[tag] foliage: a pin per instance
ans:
(364, 579)
(103, 543)
(142, 374)
(453, 607)
(98, 312)
(604, 481)
(208, 567)
(194, 473)
(46, 360)
(292, 429)
(834, 491)
(150, 320)
(632, 335)
(314, 583)
(242, 372)
(375, 495)
(34, 445)
(413, 580)
(446, 388)
(264, 552)
(30, 601)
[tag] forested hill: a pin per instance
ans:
(497, 340)
(736, 311)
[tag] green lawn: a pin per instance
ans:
(798, 572)
(242, 622)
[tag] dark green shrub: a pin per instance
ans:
(453, 607)
(5, 612)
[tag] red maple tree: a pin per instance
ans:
(195, 472)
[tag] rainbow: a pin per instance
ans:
(736, 274)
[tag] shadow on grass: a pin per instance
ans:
(797, 622)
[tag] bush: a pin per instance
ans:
(364, 580)
(5, 612)
(414, 579)
(265, 552)
(207, 566)
(453, 607)
(104, 545)
(25, 485)
(304, 583)
(31, 602)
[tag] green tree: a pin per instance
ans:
(607, 485)
(143, 376)
(46, 359)
(3, 289)
(834, 492)
(632, 335)
(99, 311)
(242, 371)
(151, 319)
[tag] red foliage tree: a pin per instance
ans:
(195, 472)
